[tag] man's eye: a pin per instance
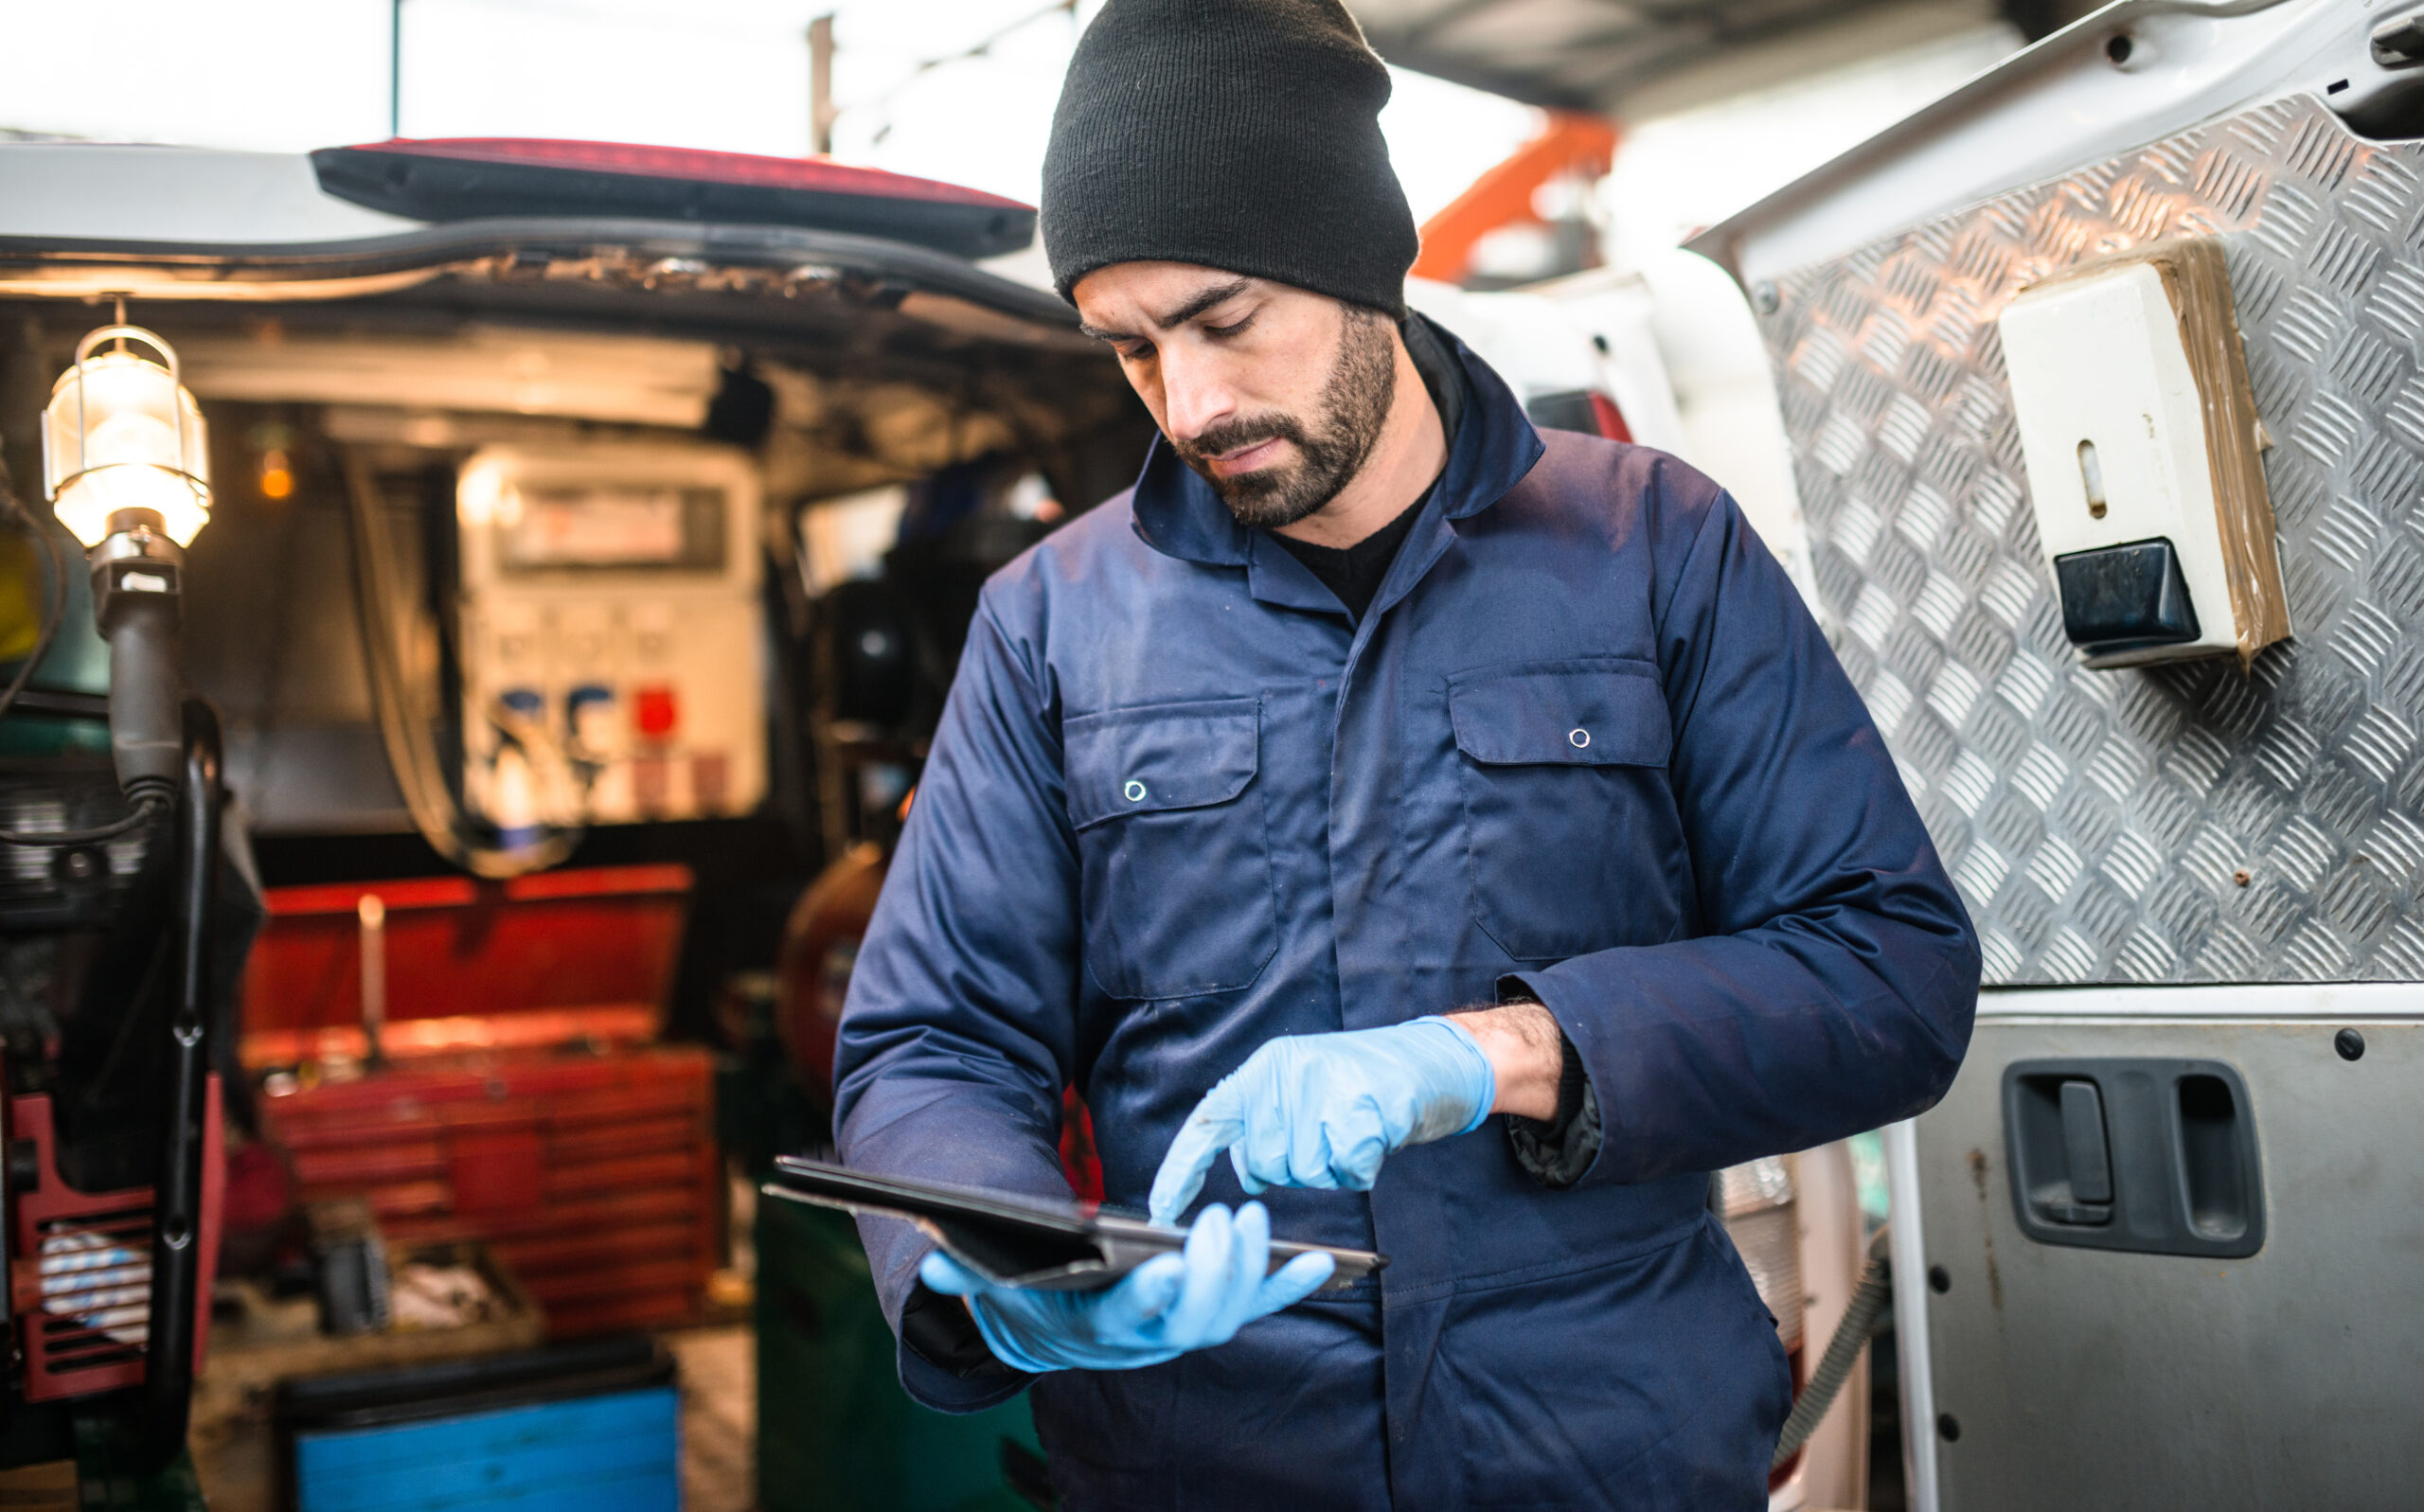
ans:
(1232, 329)
(1136, 353)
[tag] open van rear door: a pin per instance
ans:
(2157, 1246)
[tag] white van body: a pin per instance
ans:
(2199, 889)
(2197, 886)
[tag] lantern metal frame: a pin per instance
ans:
(190, 427)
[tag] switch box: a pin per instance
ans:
(611, 634)
(2142, 449)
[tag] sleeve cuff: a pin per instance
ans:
(1557, 1151)
(1556, 1154)
(940, 1331)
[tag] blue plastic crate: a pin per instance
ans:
(584, 1428)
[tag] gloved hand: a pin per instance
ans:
(1160, 1311)
(1323, 1109)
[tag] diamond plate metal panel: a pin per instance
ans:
(2188, 823)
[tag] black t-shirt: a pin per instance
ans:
(1354, 573)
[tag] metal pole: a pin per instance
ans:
(372, 914)
(395, 68)
(820, 85)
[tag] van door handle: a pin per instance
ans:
(2088, 1159)
(2153, 1155)
(2062, 1154)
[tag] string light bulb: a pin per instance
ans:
(277, 474)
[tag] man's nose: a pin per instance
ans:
(1194, 397)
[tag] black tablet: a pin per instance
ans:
(1019, 1240)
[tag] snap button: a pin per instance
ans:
(1579, 738)
(1135, 791)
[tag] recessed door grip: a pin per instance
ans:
(2152, 1155)
(2085, 1194)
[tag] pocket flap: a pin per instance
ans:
(1563, 714)
(1169, 755)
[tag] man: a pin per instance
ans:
(1463, 829)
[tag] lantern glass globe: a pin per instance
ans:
(121, 433)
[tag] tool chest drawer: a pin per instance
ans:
(511, 1089)
(539, 1160)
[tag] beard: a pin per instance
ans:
(1332, 445)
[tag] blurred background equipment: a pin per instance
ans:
(573, 597)
(835, 1431)
(350, 1260)
(112, 1109)
(899, 574)
(579, 1428)
(610, 636)
(526, 1101)
(446, 1303)
(1529, 217)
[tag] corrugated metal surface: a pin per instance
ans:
(2098, 823)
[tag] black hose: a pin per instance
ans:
(146, 721)
(177, 1304)
(148, 807)
(147, 685)
(1842, 1352)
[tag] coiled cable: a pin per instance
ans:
(403, 719)
(1842, 1352)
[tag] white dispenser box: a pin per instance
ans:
(2142, 449)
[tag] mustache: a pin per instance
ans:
(1237, 435)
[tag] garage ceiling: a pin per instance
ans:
(1638, 58)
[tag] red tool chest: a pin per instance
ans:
(523, 1100)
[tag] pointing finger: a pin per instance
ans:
(1216, 1123)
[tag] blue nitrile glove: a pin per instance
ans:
(1160, 1311)
(1323, 1109)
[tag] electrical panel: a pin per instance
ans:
(610, 636)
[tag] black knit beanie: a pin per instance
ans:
(1242, 134)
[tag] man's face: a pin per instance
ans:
(1273, 395)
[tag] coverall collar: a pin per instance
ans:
(1179, 515)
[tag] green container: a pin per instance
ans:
(103, 1485)
(835, 1432)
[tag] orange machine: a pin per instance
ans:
(480, 1061)
(1570, 144)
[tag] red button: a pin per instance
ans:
(654, 711)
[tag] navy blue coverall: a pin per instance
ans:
(1586, 745)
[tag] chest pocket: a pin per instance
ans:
(1570, 827)
(1173, 852)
